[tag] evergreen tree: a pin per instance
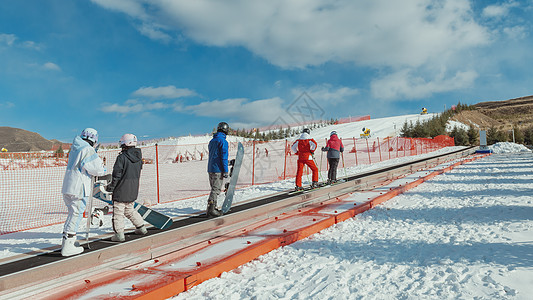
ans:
(473, 136)
(405, 130)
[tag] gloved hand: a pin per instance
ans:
(225, 175)
(106, 177)
(109, 188)
(324, 149)
(232, 162)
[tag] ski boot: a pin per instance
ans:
(141, 230)
(68, 247)
(298, 188)
(212, 211)
(314, 185)
(118, 237)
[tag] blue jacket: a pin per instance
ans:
(218, 154)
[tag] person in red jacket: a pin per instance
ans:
(305, 147)
(334, 147)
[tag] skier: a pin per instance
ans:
(83, 162)
(125, 187)
(217, 167)
(334, 147)
(305, 147)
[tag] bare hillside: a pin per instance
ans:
(503, 115)
(20, 140)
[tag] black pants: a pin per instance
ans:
(333, 163)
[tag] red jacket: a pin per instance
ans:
(305, 146)
(334, 146)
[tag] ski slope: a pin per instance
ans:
(381, 127)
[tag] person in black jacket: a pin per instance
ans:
(125, 187)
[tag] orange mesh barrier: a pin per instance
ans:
(30, 183)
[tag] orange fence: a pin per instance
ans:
(30, 183)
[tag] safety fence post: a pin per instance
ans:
(388, 146)
(285, 163)
(368, 150)
(355, 150)
(404, 140)
(379, 149)
(397, 147)
(157, 170)
(253, 162)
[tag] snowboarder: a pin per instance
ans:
(334, 147)
(83, 162)
(217, 167)
(125, 187)
(305, 147)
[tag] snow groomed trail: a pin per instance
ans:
(467, 234)
(169, 274)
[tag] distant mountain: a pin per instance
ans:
(20, 140)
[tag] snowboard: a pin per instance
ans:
(234, 176)
(151, 216)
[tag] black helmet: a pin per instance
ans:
(306, 130)
(223, 127)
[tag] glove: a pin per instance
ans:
(324, 149)
(225, 175)
(106, 177)
(232, 162)
(109, 188)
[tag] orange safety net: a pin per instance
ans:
(30, 183)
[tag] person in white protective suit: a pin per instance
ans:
(83, 162)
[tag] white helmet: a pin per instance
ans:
(90, 134)
(129, 140)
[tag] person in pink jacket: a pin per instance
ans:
(334, 147)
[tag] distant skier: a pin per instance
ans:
(334, 147)
(305, 147)
(83, 162)
(125, 187)
(217, 167)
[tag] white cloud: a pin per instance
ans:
(240, 110)
(7, 39)
(163, 92)
(7, 104)
(498, 10)
(51, 66)
(134, 106)
(406, 85)
(516, 32)
(326, 93)
(154, 33)
(308, 33)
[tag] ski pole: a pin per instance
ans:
(342, 156)
(90, 211)
(319, 173)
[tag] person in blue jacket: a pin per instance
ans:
(217, 167)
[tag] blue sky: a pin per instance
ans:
(164, 68)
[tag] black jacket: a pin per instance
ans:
(126, 174)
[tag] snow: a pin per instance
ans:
(465, 234)
(473, 240)
(508, 147)
(451, 124)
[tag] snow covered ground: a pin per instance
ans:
(467, 234)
